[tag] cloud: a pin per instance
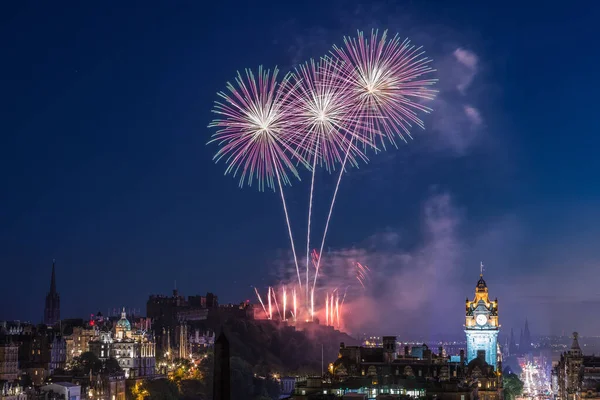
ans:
(457, 122)
(469, 61)
(402, 282)
(473, 115)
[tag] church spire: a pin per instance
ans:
(52, 306)
(53, 279)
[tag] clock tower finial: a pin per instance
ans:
(481, 268)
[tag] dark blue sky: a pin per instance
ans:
(103, 115)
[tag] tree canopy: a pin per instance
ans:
(513, 386)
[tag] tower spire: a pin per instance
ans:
(53, 278)
(481, 269)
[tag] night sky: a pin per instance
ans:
(103, 117)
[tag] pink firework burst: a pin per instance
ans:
(325, 117)
(253, 130)
(388, 80)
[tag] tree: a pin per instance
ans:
(513, 386)
(162, 389)
(85, 363)
(242, 385)
(139, 392)
(112, 366)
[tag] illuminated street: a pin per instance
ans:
(536, 382)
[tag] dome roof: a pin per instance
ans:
(123, 323)
(481, 285)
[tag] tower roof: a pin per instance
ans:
(53, 278)
(123, 323)
(575, 344)
(481, 283)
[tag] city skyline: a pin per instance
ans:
(106, 167)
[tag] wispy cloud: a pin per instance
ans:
(473, 115)
(469, 61)
(456, 120)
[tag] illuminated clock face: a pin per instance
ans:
(481, 319)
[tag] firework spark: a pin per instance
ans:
(362, 273)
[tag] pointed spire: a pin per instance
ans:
(53, 279)
(481, 269)
(575, 344)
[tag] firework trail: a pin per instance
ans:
(253, 134)
(327, 309)
(270, 306)
(284, 303)
(295, 305)
(261, 303)
(275, 301)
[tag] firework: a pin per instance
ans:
(361, 273)
(270, 306)
(368, 92)
(388, 80)
(323, 123)
(253, 134)
(261, 302)
(284, 303)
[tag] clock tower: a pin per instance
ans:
(481, 324)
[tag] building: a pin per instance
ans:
(65, 390)
(78, 341)
(576, 376)
(184, 346)
(108, 387)
(57, 347)
(134, 350)
(41, 353)
(52, 307)
(9, 360)
(377, 370)
(481, 324)
(525, 346)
